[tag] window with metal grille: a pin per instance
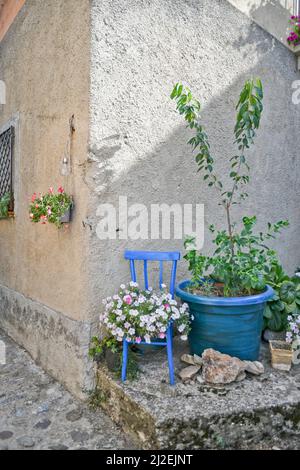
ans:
(6, 156)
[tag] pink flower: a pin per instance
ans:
(43, 219)
(37, 206)
(49, 211)
(138, 339)
(33, 197)
(51, 190)
(61, 190)
(127, 299)
(167, 306)
(161, 335)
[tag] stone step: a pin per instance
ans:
(258, 412)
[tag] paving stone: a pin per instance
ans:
(26, 441)
(79, 436)
(43, 408)
(74, 415)
(59, 447)
(43, 424)
(37, 413)
(6, 435)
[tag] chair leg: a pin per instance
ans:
(170, 354)
(124, 360)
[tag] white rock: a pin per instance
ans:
(197, 360)
(188, 359)
(255, 367)
(200, 379)
(188, 373)
(241, 376)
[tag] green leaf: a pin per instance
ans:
(287, 292)
(275, 322)
(268, 312)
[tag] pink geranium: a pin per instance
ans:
(127, 299)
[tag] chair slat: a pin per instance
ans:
(146, 275)
(161, 268)
(173, 278)
(152, 255)
(132, 270)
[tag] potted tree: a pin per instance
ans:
(228, 291)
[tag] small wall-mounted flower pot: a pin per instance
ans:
(66, 218)
(281, 355)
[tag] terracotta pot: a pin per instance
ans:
(281, 355)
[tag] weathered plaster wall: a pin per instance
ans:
(140, 48)
(272, 15)
(44, 61)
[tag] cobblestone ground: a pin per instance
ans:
(36, 412)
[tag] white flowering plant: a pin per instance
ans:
(143, 315)
(293, 330)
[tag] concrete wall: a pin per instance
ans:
(272, 15)
(44, 61)
(140, 48)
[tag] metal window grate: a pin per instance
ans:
(6, 153)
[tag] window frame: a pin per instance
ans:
(11, 129)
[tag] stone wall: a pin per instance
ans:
(140, 49)
(44, 62)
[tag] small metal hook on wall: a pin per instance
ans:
(66, 166)
(72, 124)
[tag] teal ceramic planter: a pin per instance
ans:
(231, 325)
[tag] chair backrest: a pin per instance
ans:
(159, 256)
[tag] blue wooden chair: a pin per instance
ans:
(160, 256)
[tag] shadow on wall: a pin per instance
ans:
(273, 16)
(169, 173)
